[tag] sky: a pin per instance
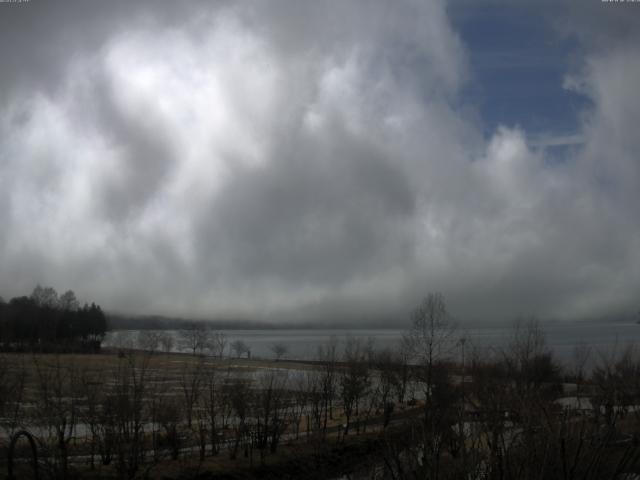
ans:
(323, 161)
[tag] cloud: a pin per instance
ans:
(303, 161)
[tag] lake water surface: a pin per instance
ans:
(562, 338)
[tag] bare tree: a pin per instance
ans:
(402, 385)
(211, 400)
(69, 302)
(431, 340)
(93, 391)
(328, 357)
(615, 377)
(581, 355)
(169, 417)
(240, 348)
(279, 349)
(354, 379)
(217, 344)
(525, 395)
(300, 402)
(314, 383)
(387, 378)
(190, 384)
(195, 338)
(127, 406)
(13, 378)
(431, 337)
(58, 388)
(45, 297)
(530, 362)
(271, 420)
(148, 340)
(166, 341)
(239, 397)
(156, 395)
(122, 340)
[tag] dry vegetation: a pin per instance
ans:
(432, 409)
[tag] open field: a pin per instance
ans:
(169, 407)
(128, 414)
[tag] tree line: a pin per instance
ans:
(46, 321)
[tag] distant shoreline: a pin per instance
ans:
(117, 322)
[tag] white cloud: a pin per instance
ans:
(300, 160)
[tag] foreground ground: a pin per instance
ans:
(381, 415)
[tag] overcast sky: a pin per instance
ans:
(323, 160)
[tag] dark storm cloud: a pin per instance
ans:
(312, 216)
(145, 153)
(37, 42)
(302, 160)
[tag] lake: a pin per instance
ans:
(303, 344)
